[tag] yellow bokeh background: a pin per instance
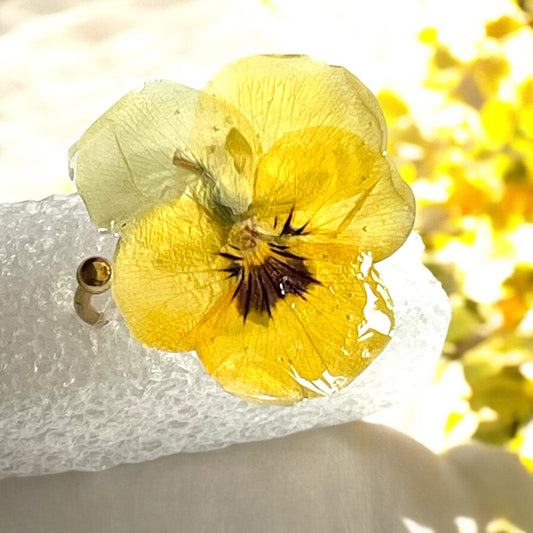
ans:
(469, 160)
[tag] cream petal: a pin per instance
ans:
(227, 148)
(124, 163)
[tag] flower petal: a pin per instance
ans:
(124, 162)
(332, 181)
(378, 220)
(280, 94)
(310, 347)
(312, 167)
(226, 147)
(168, 273)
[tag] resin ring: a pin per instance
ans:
(94, 277)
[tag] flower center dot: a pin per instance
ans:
(265, 271)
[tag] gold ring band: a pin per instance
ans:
(94, 277)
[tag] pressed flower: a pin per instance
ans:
(251, 215)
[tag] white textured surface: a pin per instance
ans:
(77, 397)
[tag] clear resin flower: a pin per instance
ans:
(251, 214)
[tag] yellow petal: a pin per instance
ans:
(312, 167)
(227, 148)
(167, 273)
(335, 183)
(280, 94)
(378, 221)
(310, 347)
(124, 161)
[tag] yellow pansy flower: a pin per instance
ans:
(251, 214)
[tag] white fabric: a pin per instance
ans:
(357, 477)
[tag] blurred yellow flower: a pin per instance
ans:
(249, 232)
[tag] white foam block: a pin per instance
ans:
(76, 397)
